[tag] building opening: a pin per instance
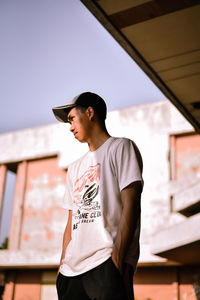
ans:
(7, 208)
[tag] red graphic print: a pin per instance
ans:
(91, 175)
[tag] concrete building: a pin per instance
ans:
(169, 265)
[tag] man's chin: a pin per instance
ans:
(79, 139)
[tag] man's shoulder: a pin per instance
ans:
(121, 144)
(116, 141)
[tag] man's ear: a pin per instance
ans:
(90, 112)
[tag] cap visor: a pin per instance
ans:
(61, 112)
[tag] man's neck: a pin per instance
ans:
(97, 140)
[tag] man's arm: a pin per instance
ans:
(130, 197)
(66, 236)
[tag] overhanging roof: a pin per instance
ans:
(163, 39)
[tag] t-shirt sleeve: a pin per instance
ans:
(68, 199)
(128, 163)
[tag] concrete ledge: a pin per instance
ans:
(179, 242)
(148, 259)
(29, 259)
(189, 199)
(10, 259)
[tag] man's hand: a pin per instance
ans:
(128, 280)
(120, 268)
(130, 197)
(66, 237)
(127, 273)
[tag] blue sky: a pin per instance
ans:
(53, 50)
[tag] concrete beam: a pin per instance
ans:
(188, 200)
(3, 172)
(180, 242)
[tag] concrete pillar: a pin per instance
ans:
(172, 157)
(17, 215)
(3, 172)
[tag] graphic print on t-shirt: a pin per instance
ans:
(86, 200)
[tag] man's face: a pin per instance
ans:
(79, 124)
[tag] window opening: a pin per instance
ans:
(7, 208)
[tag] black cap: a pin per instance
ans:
(85, 99)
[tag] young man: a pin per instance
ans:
(101, 239)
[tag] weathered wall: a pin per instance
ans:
(43, 217)
(38, 218)
(39, 142)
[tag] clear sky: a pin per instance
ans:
(53, 50)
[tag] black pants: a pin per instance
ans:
(101, 283)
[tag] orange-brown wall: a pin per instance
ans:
(150, 283)
(186, 150)
(167, 283)
(38, 214)
(23, 285)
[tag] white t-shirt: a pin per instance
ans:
(94, 183)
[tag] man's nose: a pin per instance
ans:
(71, 128)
